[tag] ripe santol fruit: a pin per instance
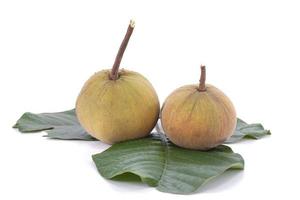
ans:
(115, 106)
(198, 116)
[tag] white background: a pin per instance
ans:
(49, 48)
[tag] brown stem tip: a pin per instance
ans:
(115, 69)
(202, 86)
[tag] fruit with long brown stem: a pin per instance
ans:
(116, 105)
(198, 116)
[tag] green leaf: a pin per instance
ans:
(60, 125)
(244, 130)
(161, 164)
(155, 160)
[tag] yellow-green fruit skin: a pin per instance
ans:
(117, 110)
(198, 119)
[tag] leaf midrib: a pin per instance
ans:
(165, 144)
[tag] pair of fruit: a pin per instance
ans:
(115, 106)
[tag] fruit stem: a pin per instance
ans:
(114, 71)
(202, 86)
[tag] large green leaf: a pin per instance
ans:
(60, 125)
(165, 166)
(155, 160)
(244, 130)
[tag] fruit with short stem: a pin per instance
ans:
(198, 116)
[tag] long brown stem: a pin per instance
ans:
(202, 86)
(114, 71)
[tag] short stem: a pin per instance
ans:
(202, 86)
(115, 68)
